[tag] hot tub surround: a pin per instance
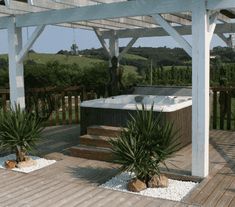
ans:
(116, 111)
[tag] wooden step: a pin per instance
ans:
(91, 152)
(94, 140)
(107, 131)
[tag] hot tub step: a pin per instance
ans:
(94, 140)
(108, 131)
(91, 152)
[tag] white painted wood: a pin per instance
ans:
(4, 22)
(173, 33)
(212, 24)
(103, 11)
(125, 50)
(102, 42)
(224, 38)
(113, 47)
(160, 32)
(200, 90)
(30, 2)
(220, 4)
(16, 69)
(30, 42)
(7, 3)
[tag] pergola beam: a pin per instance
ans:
(158, 31)
(102, 41)
(173, 33)
(212, 24)
(220, 4)
(30, 42)
(103, 11)
(129, 45)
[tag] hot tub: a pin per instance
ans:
(115, 111)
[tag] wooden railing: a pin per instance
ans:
(62, 104)
(4, 97)
(67, 107)
(223, 113)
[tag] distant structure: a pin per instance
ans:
(74, 49)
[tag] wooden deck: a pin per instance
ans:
(74, 181)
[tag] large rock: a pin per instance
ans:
(28, 163)
(136, 185)
(10, 164)
(158, 181)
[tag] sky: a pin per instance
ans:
(56, 38)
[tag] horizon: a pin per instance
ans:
(50, 42)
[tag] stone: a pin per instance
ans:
(158, 181)
(54, 156)
(29, 163)
(136, 185)
(10, 164)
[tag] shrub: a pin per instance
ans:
(145, 144)
(19, 131)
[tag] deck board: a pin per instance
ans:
(75, 182)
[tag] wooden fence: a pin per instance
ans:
(61, 104)
(66, 103)
(223, 108)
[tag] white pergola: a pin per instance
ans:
(115, 19)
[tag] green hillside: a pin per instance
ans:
(82, 61)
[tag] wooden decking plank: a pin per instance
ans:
(78, 196)
(10, 178)
(69, 194)
(35, 191)
(108, 200)
(85, 198)
(54, 197)
(225, 201)
(18, 190)
(124, 199)
(17, 184)
(232, 203)
(201, 197)
(215, 196)
(73, 174)
(228, 195)
(102, 194)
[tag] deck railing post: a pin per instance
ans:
(200, 91)
(215, 100)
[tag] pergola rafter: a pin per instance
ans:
(115, 19)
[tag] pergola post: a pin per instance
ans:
(200, 91)
(16, 68)
(113, 47)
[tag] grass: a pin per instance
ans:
(82, 61)
(176, 67)
(134, 57)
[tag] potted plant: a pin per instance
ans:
(143, 145)
(19, 132)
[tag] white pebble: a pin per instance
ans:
(176, 190)
(41, 163)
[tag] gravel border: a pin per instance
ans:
(41, 163)
(176, 190)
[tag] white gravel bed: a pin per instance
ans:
(176, 190)
(41, 163)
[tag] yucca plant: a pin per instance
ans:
(144, 144)
(19, 132)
